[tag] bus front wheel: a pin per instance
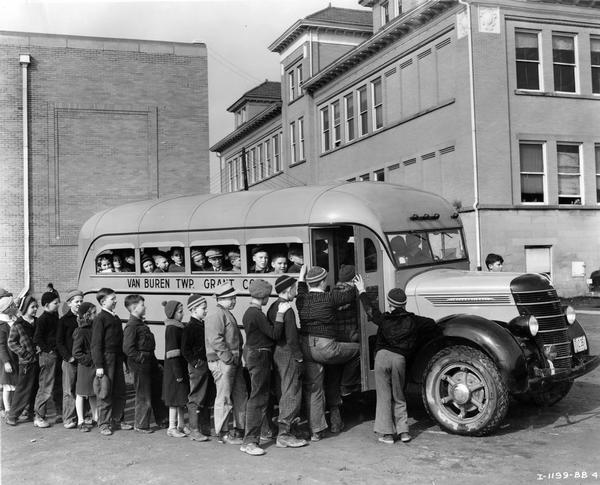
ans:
(464, 391)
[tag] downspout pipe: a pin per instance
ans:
(473, 136)
(25, 60)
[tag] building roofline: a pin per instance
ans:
(42, 39)
(249, 96)
(252, 124)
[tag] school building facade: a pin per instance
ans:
(493, 105)
(89, 123)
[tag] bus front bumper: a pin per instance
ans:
(548, 376)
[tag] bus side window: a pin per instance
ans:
(216, 259)
(370, 256)
(275, 258)
(162, 260)
(115, 261)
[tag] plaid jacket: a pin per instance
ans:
(20, 341)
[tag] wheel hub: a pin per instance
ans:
(461, 394)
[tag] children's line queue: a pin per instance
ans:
(313, 361)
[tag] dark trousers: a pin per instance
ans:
(25, 389)
(291, 387)
(50, 384)
(147, 382)
(69, 379)
(198, 402)
(113, 406)
(259, 367)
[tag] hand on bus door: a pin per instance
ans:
(359, 283)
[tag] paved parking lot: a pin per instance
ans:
(531, 445)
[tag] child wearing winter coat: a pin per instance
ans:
(9, 364)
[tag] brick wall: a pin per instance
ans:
(111, 121)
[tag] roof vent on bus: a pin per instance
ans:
(425, 217)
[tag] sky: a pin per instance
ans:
(237, 34)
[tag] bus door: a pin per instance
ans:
(369, 264)
(331, 248)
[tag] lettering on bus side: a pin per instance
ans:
(196, 284)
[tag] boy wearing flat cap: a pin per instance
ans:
(64, 342)
(288, 359)
(215, 259)
(317, 311)
(396, 342)
(261, 336)
(224, 354)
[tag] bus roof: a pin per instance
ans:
(382, 207)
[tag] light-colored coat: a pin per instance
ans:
(223, 337)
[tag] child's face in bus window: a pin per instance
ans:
(199, 312)
(199, 260)
(105, 265)
(148, 266)
(177, 257)
(116, 262)
(130, 260)
(236, 260)
(279, 265)
(162, 263)
(296, 259)
(261, 260)
(216, 262)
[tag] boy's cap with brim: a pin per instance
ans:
(214, 253)
(283, 283)
(316, 274)
(226, 290)
(396, 297)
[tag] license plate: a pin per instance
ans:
(580, 344)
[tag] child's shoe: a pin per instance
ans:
(228, 439)
(289, 441)
(405, 437)
(196, 435)
(175, 433)
(185, 430)
(83, 428)
(40, 423)
(252, 449)
(105, 430)
(388, 439)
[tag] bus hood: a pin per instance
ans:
(440, 292)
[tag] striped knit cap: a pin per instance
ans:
(315, 274)
(396, 297)
(283, 283)
(195, 300)
(226, 290)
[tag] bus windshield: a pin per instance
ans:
(427, 247)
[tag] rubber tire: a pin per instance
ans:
(497, 400)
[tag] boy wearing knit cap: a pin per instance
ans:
(108, 357)
(148, 265)
(288, 358)
(64, 342)
(396, 341)
(193, 349)
(317, 311)
(224, 354)
(261, 336)
(139, 346)
(44, 339)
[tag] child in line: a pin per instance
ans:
(20, 341)
(44, 339)
(193, 349)
(82, 352)
(139, 346)
(176, 385)
(8, 359)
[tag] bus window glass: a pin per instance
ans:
(446, 245)
(162, 260)
(223, 258)
(115, 261)
(370, 256)
(427, 247)
(275, 258)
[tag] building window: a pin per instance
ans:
(260, 161)
(231, 171)
(538, 259)
(325, 140)
(268, 158)
(563, 55)
(377, 101)
(528, 60)
(363, 126)
(337, 124)
(293, 143)
(301, 154)
(277, 153)
(299, 80)
(349, 110)
(292, 85)
(385, 13)
(597, 150)
(399, 7)
(251, 165)
(364, 177)
(569, 174)
(379, 175)
(532, 172)
(595, 55)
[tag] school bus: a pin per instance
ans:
(503, 333)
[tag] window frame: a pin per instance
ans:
(267, 149)
(299, 79)
(385, 12)
(572, 65)
(291, 85)
(595, 68)
(578, 175)
(544, 173)
(293, 143)
(325, 130)
(349, 124)
(336, 124)
(276, 139)
(376, 107)
(301, 148)
(363, 115)
(538, 62)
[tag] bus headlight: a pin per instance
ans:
(524, 326)
(570, 314)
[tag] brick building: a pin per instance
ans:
(108, 121)
(494, 105)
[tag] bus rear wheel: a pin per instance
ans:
(464, 391)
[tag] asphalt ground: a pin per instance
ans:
(557, 444)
